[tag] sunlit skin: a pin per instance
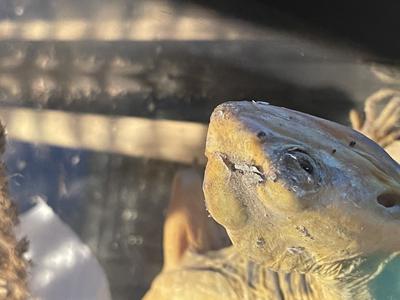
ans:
(297, 193)
(312, 209)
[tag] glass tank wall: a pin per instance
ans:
(105, 100)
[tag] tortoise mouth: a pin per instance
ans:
(249, 171)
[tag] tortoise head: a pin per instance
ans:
(297, 192)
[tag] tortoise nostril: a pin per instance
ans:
(388, 199)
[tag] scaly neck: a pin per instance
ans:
(351, 279)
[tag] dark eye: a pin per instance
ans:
(301, 158)
(306, 166)
(299, 170)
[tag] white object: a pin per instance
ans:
(63, 267)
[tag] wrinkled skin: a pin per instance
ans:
(297, 193)
(308, 204)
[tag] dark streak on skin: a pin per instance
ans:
(209, 269)
(261, 134)
(252, 270)
(288, 279)
(304, 285)
(278, 288)
(303, 230)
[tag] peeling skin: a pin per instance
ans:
(250, 173)
(307, 203)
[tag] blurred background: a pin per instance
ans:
(105, 100)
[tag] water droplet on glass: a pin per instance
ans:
(19, 10)
(115, 245)
(21, 164)
(97, 195)
(135, 240)
(75, 160)
(142, 186)
(129, 214)
(151, 107)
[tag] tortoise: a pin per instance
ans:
(312, 207)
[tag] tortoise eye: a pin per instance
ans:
(306, 166)
(299, 170)
(300, 156)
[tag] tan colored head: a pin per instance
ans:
(296, 192)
